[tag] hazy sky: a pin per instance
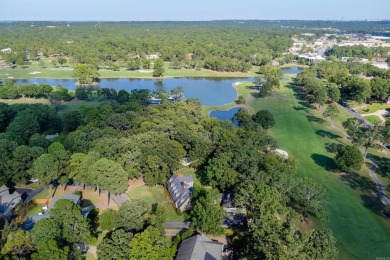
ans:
(190, 10)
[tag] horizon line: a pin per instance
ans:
(216, 20)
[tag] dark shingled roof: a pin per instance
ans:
(199, 247)
(180, 189)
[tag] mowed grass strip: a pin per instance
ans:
(360, 232)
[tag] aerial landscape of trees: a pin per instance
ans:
(101, 139)
(98, 155)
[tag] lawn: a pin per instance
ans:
(373, 119)
(34, 210)
(75, 104)
(159, 195)
(25, 101)
(45, 194)
(373, 108)
(360, 232)
(36, 71)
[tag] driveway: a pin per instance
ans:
(380, 113)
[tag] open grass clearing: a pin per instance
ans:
(45, 194)
(373, 119)
(360, 232)
(34, 210)
(367, 109)
(156, 195)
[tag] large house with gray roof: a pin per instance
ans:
(199, 247)
(8, 200)
(180, 188)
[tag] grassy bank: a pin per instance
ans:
(360, 232)
(49, 71)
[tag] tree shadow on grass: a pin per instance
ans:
(332, 147)
(373, 202)
(324, 133)
(357, 181)
(324, 161)
(301, 108)
(383, 165)
(315, 119)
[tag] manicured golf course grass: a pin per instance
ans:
(360, 232)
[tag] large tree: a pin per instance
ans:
(109, 176)
(311, 196)
(150, 244)
(47, 169)
(85, 73)
(18, 244)
(73, 225)
(348, 158)
(264, 118)
(133, 215)
(115, 245)
(207, 214)
(158, 68)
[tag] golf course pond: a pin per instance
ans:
(210, 91)
(225, 114)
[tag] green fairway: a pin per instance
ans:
(360, 232)
(36, 71)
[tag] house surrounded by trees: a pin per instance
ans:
(180, 189)
(199, 247)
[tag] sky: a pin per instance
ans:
(192, 10)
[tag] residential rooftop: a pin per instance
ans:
(199, 247)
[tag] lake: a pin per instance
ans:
(210, 91)
(292, 70)
(225, 114)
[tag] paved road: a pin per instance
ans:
(383, 197)
(355, 114)
(177, 225)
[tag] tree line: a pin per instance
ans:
(185, 45)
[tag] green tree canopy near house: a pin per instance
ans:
(85, 73)
(206, 203)
(133, 215)
(116, 245)
(150, 244)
